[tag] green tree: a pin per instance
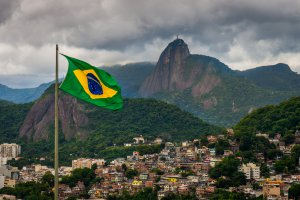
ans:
(238, 178)
(289, 138)
(221, 145)
(86, 175)
(226, 167)
(264, 170)
(131, 173)
(48, 179)
(294, 191)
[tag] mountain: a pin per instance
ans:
(207, 87)
(24, 95)
(274, 77)
(283, 118)
(87, 130)
(139, 116)
(178, 70)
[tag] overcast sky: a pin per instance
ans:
(242, 34)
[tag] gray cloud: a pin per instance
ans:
(7, 8)
(242, 34)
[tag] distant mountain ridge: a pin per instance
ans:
(275, 77)
(22, 95)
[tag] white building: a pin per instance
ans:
(251, 171)
(10, 150)
(87, 162)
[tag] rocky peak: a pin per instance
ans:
(174, 54)
(177, 70)
(39, 120)
(169, 69)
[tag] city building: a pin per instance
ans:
(251, 171)
(10, 172)
(271, 190)
(87, 162)
(8, 152)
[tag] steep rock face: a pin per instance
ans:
(178, 70)
(40, 118)
(168, 72)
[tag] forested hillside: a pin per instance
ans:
(283, 118)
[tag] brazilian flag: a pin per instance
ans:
(92, 85)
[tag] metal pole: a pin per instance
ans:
(56, 129)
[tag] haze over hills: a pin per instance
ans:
(22, 95)
(199, 84)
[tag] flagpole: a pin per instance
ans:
(56, 129)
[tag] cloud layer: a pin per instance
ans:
(242, 34)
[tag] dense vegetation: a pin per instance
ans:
(151, 118)
(294, 191)
(283, 118)
(226, 173)
(11, 118)
(86, 176)
(239, 91)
